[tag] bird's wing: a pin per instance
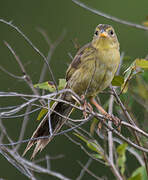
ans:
(79, 58)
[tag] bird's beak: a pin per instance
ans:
(103, 34)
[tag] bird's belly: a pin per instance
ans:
(101, 80)
(90, 80)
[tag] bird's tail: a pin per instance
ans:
(57, 121)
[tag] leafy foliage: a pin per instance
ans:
(139, 174)
(49, 85)
(135, 68)
(121, 150)
(117, 80)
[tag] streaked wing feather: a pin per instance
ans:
(76, 63)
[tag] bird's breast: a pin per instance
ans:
(107, 64)
(95, 74)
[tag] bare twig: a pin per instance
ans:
(100, 149)
(32, 45)
(26, 77)
(125, 139)
(110, 111)
(132, 151)
(26, 167)
(10, 74)
(3, 131)
(109, 16)
(52, 47)
(110, 138)
(49, 119)
(135, 128)
(23, 128)
(82, 147)
(133, 123)
(85, 168)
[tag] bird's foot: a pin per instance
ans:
(86, 106)
(114, 119)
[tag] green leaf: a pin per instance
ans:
(91, 144)
(142, 88)
(139, 174)
(97, 156)
(62, 83)
(137, 177)
(145, 23)
(131, 71)
(117, 81)
(42, 113)
(121, 150)
(142, 63)
(80, 137)
(48, 85)
(127, 75)
(93, 125)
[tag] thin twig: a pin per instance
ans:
(26, 166)
(49, 119)
(3, 130)
(110, 138)
(23, 128)
(135, 128)
(82, 147)
(132, 151)
(115, 19)
(101, 152)
(124, 138)
(26, 77)
(52, 47)
(110, 111)
(33, 46)
(133, 123)
(10, 74)
(85, 168)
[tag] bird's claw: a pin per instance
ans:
(86, 106)
(114, 119)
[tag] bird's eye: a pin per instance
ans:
(96, 33)
(111, 32)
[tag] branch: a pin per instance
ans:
(26, 167)
(85, 168)
(26, 77)
(110, 111)
(33, 46)
(52, 47)
(133, 123)
(115, 19)
(124, 138)
(23, 128)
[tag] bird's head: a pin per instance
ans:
(105, 37)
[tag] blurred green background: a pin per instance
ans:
(56, 16)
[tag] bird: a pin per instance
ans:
(90, 72)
